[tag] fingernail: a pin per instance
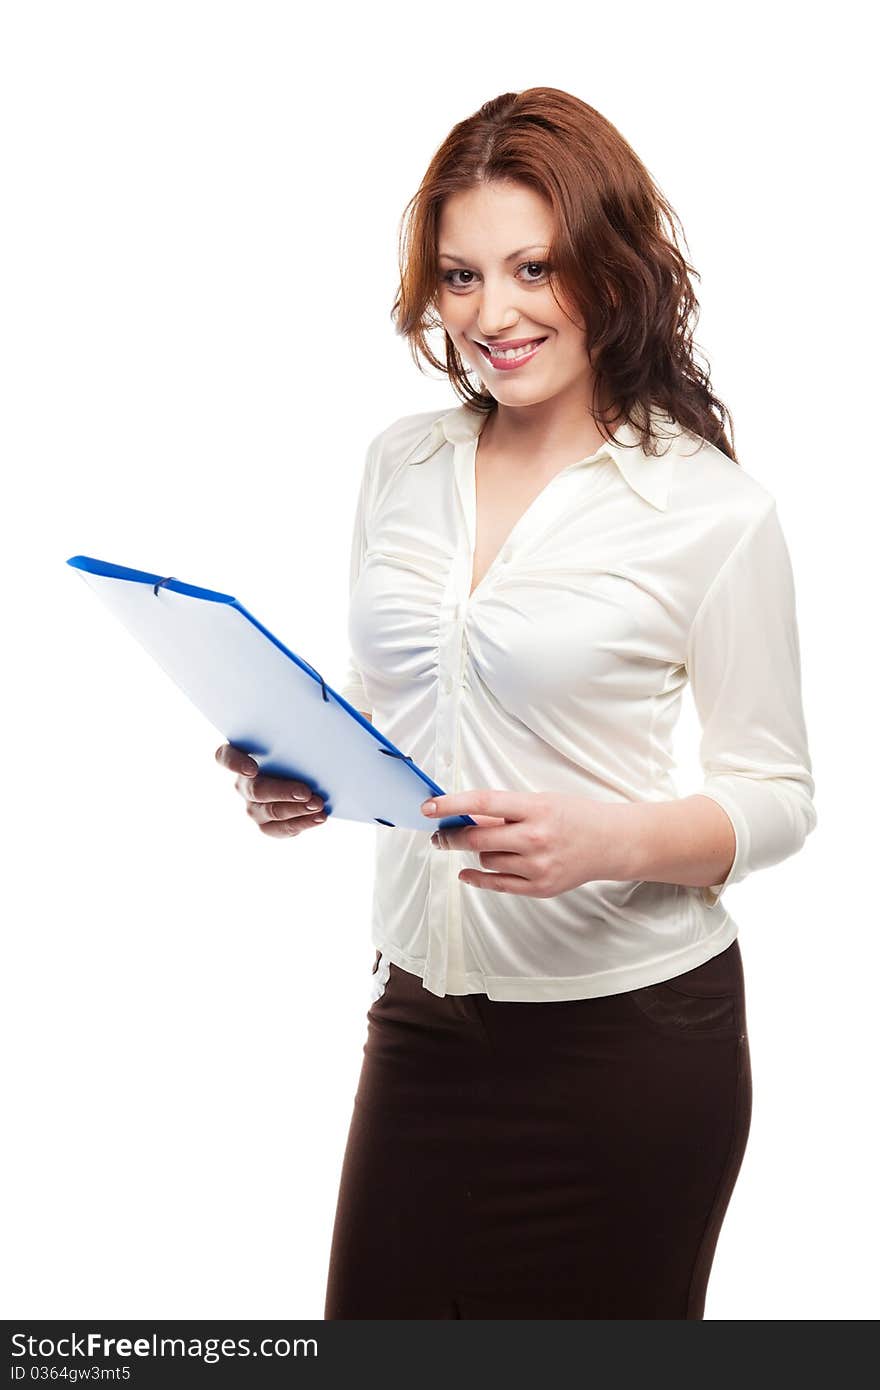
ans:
(429, 807)
(319, 819)
(314, 805)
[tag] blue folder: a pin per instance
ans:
(264, 698)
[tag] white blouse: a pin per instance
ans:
(627, 576)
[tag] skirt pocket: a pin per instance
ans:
(706, 1000)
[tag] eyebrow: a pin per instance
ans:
(448, 256)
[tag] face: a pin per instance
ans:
(494, 287)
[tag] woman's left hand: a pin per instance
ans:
(537, 844)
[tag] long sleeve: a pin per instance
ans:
(743, 661)
(352, 688)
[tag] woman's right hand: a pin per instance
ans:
(280, 806)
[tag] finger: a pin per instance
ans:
(484, 801)
(287, 829)
(449, 835)
(496, 883)
(500, 835)
(237, 760)
(283, 810)
(265, 788)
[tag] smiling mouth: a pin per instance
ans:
(511, 354)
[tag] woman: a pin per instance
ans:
(556, 1091)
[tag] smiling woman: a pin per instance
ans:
(598, 277)
(555, 1094)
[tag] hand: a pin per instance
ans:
(280, 806)
(539, 844)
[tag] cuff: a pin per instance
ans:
(738, 869)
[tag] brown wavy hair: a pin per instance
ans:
(615, 256)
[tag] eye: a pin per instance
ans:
(542, 266)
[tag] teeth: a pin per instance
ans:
(513, 352)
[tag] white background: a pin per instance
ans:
(199, 256)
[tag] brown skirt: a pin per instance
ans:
(565, 1159)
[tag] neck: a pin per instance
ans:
(542, 433)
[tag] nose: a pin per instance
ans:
(495, 313)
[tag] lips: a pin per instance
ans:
(517, 363)
(516, 343)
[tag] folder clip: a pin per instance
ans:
(157, 587)
(324, 694)
(392, 753)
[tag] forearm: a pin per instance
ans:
(688, 841)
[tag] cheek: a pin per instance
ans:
(570, 350)
(568, 322)
(449, 308)
(454, 325)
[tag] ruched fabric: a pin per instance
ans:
(630, 577)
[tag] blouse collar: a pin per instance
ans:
(648, 475)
